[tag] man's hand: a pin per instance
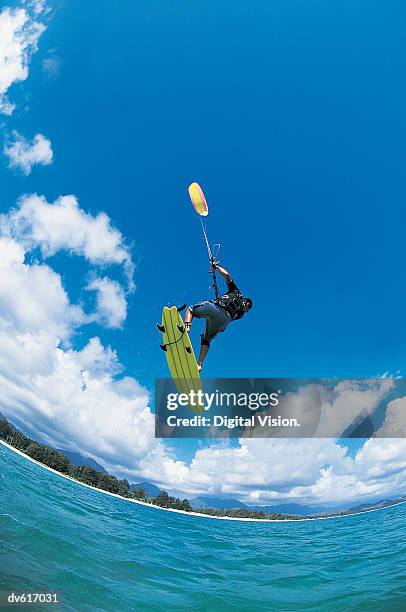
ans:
(214, 266)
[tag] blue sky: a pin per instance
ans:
(291, 117)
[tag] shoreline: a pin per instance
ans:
(198, 514)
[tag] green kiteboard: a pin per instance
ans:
(179, 353)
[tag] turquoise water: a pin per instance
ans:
(102, 553)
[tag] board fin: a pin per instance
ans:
(160, 328)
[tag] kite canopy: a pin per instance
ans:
(198, 199)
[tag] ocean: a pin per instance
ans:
(102, 553)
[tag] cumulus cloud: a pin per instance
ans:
(47, 392)
(68, 398)
(264, 470)
(24, 154)
(111, 302)
(395, 419)
(64, 226)
(32, 298)
(349, 403)
(384, 461)
(329, 411)
(312, 471)
(19, 35)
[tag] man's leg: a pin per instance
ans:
(204, 349)
(216, 321)
(188, 319)
(205, 344)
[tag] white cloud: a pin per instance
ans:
(395, 419)
(19, 35)
(48, 393)
(68, 398)
(328, 411)
(111, 302)
(258, 470)
(349, 403)
(32, 299)
(384, 461)
(97, 360)
(51, 66)
(23, 154)
(309, 471)
(64, 226)
(38, 6)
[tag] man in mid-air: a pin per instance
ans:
(231, 306)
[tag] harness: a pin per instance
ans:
(233, 302)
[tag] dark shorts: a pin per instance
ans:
(217, 319)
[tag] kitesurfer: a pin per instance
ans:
(231, 306)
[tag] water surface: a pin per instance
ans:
(103, 553)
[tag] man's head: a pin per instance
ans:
(247, 304)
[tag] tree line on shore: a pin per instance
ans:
(84, 473)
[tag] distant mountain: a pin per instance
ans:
(296, 509)
(150, 489)
(372, 506)
(217, 503)
(78, 459)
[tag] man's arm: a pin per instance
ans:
(226, 275)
